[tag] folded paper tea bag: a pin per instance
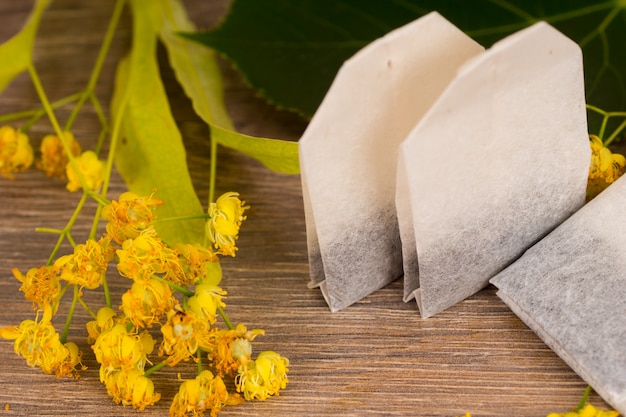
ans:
(348, 154)
(570, 288)
(499, 160)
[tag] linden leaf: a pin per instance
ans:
(152, 155)
(290, 51)
(197, 71)
(16, 53)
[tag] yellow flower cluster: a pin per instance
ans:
(587, 410)
(38, 342)
(16, 154)
(54, 159)
(226, 216)
(605, 167)
(120, 339)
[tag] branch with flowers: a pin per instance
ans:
(174, 309)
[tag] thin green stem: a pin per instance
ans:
(70, 314)
(55, 124)
(178, 218)
(184, 291)
(615, 133)
(212, 169)
(584, 398)
(155, 368)
(86, 307)
(225, 318)
(97, 69)
(65, 233)
(107, 293)
(199, 356)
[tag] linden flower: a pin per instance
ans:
(118, 349)
(129, 216)
(605, 167)
(145, 303)
(131, 388)
(204, 393)
(40, 285)
(587, 411)
(16, 154)
(205, 302)
(199, 264)
(54, 159)
(39, 343)
(91, 168)
(233, 349)
(183, 334)
(106, 318)
(146, 255)
(226, 216)
(87, 266)
(264, 377)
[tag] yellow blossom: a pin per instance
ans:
(131, 388)
(106, 318)
(146, 255)
(232, 349)
(587, 411)
(41, 286)
(226, 216)
(120, 349)
(16, 154)
(205, 301)
(146, 302)
(87, 266)
(129, 216)
(39, 343)
(264, 377)
(91, 168)
(54, 159)
(199, 265)
(605, 167)
(183, 334)
(204, 393)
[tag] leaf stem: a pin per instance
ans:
(86, 307)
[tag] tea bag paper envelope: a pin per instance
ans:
(570, 288)
(348, 154)
(500, 159)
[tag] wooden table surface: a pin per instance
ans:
(376, 358)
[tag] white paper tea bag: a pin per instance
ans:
(570, 288)
(499, 160)
(348, 154)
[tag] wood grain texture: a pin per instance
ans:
(376, 358)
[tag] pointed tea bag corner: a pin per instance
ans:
(499, 160)
(348, 154)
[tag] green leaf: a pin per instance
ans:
(291, 50)
(277, 155)
(195, 66)
(152, 154)
(16, 53)
(197, 71)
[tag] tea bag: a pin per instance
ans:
(500, 159)
(348, 154)
(570, 288)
